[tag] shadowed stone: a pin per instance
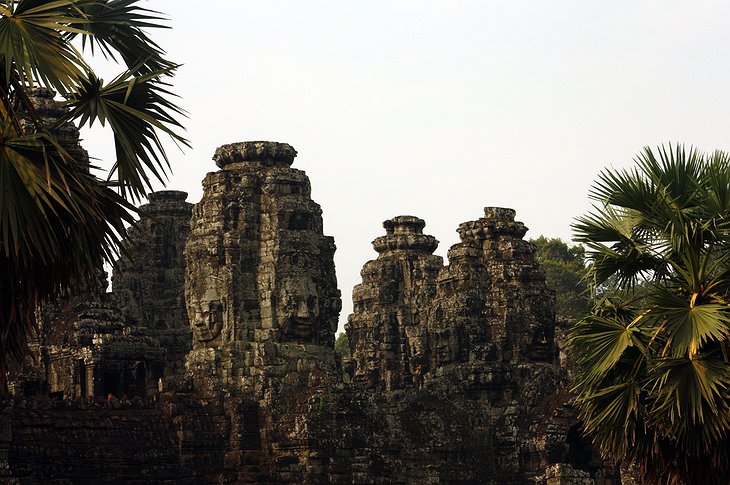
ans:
(387, 330)
(148, 282)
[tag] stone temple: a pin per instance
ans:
(213, 361)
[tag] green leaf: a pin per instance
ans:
(599, 342)
(33, 48)
(135, 108)
(689, 327)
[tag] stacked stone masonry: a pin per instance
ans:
(212, 360)
(151, 272)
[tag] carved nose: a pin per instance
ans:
(303, 310)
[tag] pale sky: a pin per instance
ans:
(440, 108)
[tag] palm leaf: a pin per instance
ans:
(116, 26)
(615, 246)
(690, 400)
(136, 109)
(33, 48)
(612, 413)
(689, 325)
(599, 342)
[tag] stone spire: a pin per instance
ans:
(259, 267)
(387, 331)
(264, 153)
(262, 299)
(148, 287)
(492, 302)
(405, 233)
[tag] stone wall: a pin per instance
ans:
(63, 442)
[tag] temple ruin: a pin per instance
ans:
(213, 361)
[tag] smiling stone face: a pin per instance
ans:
(258, 267)
(298, 309)
(207, 318)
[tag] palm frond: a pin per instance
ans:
(612, 414)
(117, 26)
(689, 325)
(690, 400)
(598, 342)
(135, 108)
(33, 49)
(615, 246)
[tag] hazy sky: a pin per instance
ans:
(439, 108)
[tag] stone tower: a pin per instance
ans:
(387, 330)
(263, 305)
(148, 287)
(492, 303)
(259, 268)
(413, 315)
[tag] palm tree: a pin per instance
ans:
(652, 373)
(58, 220)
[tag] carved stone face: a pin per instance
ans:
(446, 346)
(206, 316)
(299, 309)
